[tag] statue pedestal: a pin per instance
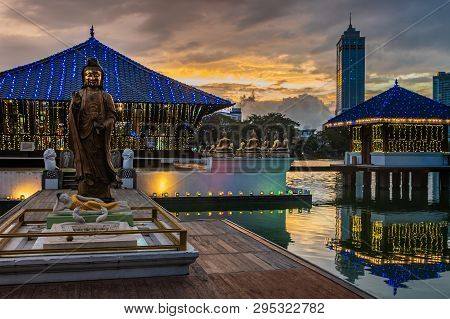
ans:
(223, 153)
(94, 241)
(52, 179)
(252, 153)
(89, 216)
(128, 178)
(279, 153)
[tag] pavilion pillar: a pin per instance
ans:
(419, 180)
(396, 179)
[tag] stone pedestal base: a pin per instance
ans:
(52, 179)
(94, 241)
(128, 177)
(223, 153)
(279, 153)
(249, 153)
(89, 216)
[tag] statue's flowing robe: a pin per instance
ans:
(92, 149)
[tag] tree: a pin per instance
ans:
(329, 143)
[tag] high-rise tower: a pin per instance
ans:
(441, 88)
(350, 69)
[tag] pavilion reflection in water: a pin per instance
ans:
(390, 239)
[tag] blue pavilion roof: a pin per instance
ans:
(394, 105)
(56, 77)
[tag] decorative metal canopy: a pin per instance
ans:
(56, 77)
(396, 105)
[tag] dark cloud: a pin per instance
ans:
(285, 44)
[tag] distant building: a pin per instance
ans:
(441, 87)
(233, 112)
(305, 133)
(350, 70)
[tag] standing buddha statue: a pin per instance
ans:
(91, 121)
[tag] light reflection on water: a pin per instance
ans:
(391, 245)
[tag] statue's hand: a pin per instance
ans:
(99, 126)
(76, 97)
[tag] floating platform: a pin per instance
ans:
(232, 263)
(29, 252)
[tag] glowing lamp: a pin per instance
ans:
(271, 193)
(209, 214)
(199, 194)
(22, 197)
(177, 194)
(230, 193)
(261, 193)
(230, 213)
(188, 194)
(241, 193)
(154, 195)
(8, 197)
(220, 213)
(220, 193)
(250, 193)
(210, 193)
(165, 194)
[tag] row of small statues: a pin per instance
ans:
(66, 158)
(251, 148)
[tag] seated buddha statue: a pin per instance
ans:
(286, 142)
(252, 147)
(241, 149)
(253, 142)
(277, 144)
(279, 148)
(265, 147)
(224, 146)
(241, 146)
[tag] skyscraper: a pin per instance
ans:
(350, 69)
(441, 87)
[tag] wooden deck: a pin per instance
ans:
(233, 263)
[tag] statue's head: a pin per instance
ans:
(127, 154)
(92, 74)
(50, 154)
(63, 201)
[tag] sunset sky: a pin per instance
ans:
(279, 49)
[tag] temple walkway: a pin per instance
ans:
(233, 263)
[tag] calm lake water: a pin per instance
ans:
(389, 244)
